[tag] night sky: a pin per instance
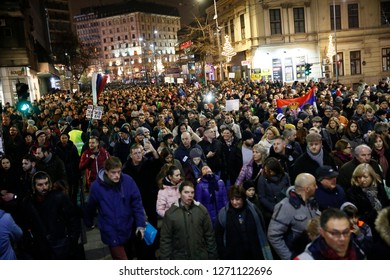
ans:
(185, 6)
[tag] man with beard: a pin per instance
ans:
(51, 221)
(14, 145)
(51, 164)
(29, 168)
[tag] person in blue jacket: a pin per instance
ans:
(9, 233)
(117, 198)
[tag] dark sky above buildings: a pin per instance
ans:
(186, 7)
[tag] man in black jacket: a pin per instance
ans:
(51, 220)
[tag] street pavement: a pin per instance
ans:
(94, 248)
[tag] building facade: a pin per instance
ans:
(275, 39)
(134, 41)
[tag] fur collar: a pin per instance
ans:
(382, 224)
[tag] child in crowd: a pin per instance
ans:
(361, 230)
(251, 195)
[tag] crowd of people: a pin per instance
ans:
(260, 182)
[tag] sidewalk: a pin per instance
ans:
(94, 248)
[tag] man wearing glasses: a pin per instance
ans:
(335, 241)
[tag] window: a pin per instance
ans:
(355, 62)
(242, 24)
(231, 31)
(385, 12)
(386, 59)
(338, 62)
(353, 16)
(332, 17)
(275, 21)
(299, 20)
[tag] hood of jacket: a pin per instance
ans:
(101, 180)
(382, 224)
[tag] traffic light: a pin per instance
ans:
(308, 69)
(23, 104)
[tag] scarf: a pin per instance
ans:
(321, 251)
(343, 157)
(319, 158)
(371, 193)
(383, 160)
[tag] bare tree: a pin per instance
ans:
(203, 45)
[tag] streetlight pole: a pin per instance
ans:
(218, 39)
(335, 41)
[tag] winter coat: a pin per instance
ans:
(305, 164)
(272, 190)
(346, 171)
(187, 234)
(316, 249)
(70, 156)
(381, 247)
(119, 209)
(144, 176)
(329, 198)
(54, 224)
(245, 173)
(237, 242)
(92, 166)
(10, 232)
(167, 196)
(215, 162)
(204, 195)
(287, 229)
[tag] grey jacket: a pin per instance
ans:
(288, 224)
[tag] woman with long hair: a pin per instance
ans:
(367, 193)
(168, 193)
(380, 152)
(302, 132)
(269, 135)
(252, 170)
(353, 135)
(335, 130)
(342, 152)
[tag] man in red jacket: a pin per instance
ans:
(92, 160)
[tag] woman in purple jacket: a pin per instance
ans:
(211, 192)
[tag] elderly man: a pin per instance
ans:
(329, 194)
(362, 155)
(290, 217)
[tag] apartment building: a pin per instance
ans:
(274, 39)
(133, 41)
